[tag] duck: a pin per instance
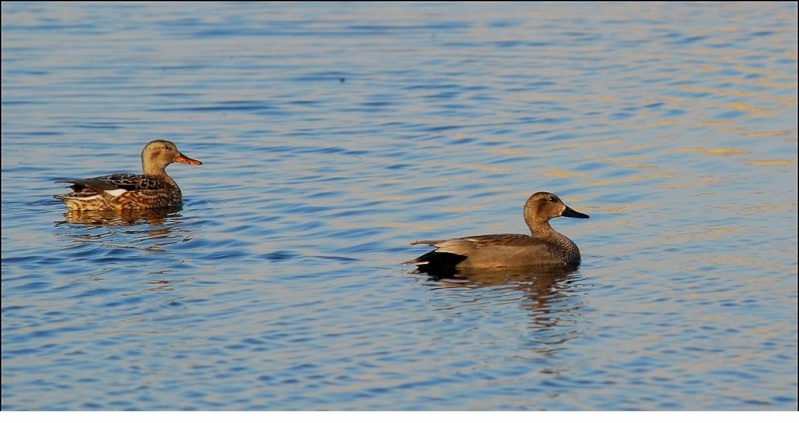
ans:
(128, 191)
(544, 247)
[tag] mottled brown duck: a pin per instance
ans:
(129, 191)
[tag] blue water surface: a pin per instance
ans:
(334, 134)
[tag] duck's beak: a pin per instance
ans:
(187, 160)
(569, 212)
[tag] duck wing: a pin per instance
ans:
(118, 181)
(462, 246)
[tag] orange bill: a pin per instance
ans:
(187, 160)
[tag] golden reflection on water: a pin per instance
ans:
(704, 181)
(784, 163)
(486, 168)
(713, 151)
(513, 152)
(626, 180)
(786, 133)
(119, 217)
(557, 173)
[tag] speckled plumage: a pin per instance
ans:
(128, 191)
(544, 247)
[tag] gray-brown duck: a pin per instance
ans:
(544, 247)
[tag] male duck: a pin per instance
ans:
(545, 247)
(128, 191)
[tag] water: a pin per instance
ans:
(333, 135)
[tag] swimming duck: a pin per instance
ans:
(544, 247)
(128, 191)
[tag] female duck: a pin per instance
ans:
(544, 247)
(128, 191)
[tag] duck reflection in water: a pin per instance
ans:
(549, 297)
(120, 217)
